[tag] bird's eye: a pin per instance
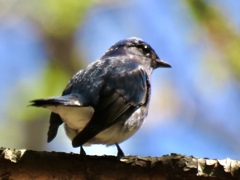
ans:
(146, 50)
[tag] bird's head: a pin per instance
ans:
(137, 50)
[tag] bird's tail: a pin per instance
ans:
(66, 100)
(51, 103)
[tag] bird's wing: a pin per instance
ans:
(124, 90)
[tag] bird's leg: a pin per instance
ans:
(82, 152)
(120, 153)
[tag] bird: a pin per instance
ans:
(107, 101)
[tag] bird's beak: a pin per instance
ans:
(161, 63)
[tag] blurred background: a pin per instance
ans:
(195, 106)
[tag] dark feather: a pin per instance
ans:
(66, 100)
(121, 95)
(55, 122)
(116, 111)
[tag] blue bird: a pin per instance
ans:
(106, 102)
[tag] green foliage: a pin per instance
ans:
(225, 37)
(58, 17)
(51, 83)
(57, 22)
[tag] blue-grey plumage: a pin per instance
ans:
(106, 102)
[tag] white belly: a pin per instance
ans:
(121, 131)
(112, 135)
(76, 118)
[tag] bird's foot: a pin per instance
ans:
(82, 152)
(120, 153)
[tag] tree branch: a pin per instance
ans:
(27, 164)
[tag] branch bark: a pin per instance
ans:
(27, 164)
